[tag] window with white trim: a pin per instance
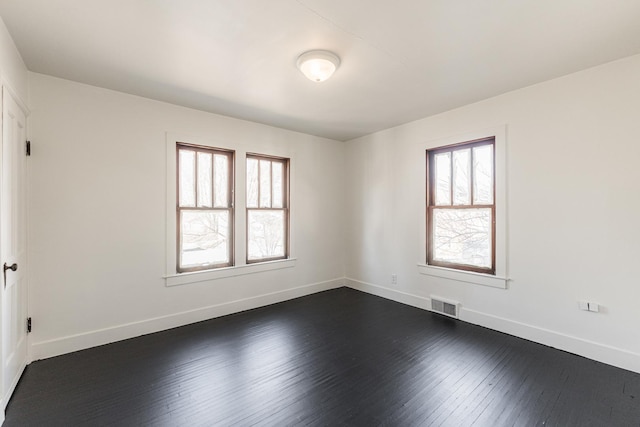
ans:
(461, 209)
(267, 208)
(204, 208)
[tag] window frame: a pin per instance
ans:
(431, 205)
(286, 203)
(230, 154)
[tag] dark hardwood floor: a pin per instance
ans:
(336, 358)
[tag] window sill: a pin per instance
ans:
(464, 276)
(221, 273)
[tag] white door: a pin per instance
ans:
(13, 245)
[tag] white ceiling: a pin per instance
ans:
(401, 60)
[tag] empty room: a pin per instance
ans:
(314, 212)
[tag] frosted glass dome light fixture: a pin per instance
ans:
(318, 65)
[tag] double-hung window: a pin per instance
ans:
(461, 210)
(204, 208)
(267, 208)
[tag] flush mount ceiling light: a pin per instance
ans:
(318, 65)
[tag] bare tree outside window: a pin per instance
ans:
(267, 208)
(205, 208)
(461, 206)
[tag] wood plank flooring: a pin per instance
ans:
(336, 358)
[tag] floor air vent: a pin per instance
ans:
(442, 306)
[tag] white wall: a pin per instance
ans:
(12, 69)
(573, 208)
(97, 223)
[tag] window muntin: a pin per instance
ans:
(205, 208)
(461, 206)
(267, 208)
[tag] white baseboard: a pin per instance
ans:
(71, 343)
(392, 294)
(592, 350)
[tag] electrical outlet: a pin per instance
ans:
(394, 279)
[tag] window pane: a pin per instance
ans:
(187, 179)
(462, 236)
(204, 180)
(278, 181)
(461, 177)
(483, 175)
(265, 184)
(204, 238)
(252, 183)
(265, 234)
(443, 179)
(221, 181)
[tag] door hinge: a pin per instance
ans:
(28, 324)
(28, 148)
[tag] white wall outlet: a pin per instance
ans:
(594, 307)
(394, 279)
(584, 305)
